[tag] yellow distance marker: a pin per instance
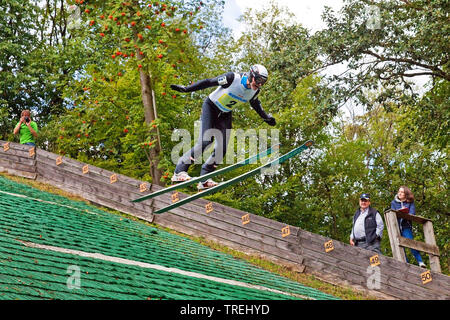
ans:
(329, 246)
(285, 231)
(32, 152)
(85, 169)
(143, 187)
(113, 178)
(209, 207)
(374, 260)
(58, 160)
(175, 197)
(245, 219)
(426, 277)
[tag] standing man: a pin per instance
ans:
(232, 89)
(28, 129)
(367, 227)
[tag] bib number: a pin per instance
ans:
(227, 101)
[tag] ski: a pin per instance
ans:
(211, 174)
(237, 179)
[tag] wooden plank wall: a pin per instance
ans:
(17, 160)
(301, 250)
(95, 186)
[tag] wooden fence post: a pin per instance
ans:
(394, 236)
(397, 241)
(428, 232)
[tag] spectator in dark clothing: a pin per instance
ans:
(405, 199)
(367, 227)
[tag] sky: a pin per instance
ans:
(307, 12)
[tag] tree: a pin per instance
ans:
(151, 38)
(17, 76)
(297, 104)
(375, 152)
(37, 60)
(384, 45)
(388, 40)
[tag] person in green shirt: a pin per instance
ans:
(28, 129)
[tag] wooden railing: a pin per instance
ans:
(18, 160)
(398, 242)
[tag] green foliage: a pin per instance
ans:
(18, 77)
(384, 45)
(83, 80)
(430, 116)
(105, 123)
(401, 141)
(36, 60)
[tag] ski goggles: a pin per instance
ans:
(260, 80)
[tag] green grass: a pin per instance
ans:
(302, 278)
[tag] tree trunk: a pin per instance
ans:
(148, 100)
(150, 115)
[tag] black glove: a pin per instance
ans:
(177, 87)
(270, 121)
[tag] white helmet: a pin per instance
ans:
(259, 72)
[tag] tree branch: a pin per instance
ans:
(437, 72)
(409, 75)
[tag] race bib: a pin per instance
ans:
(227, 101)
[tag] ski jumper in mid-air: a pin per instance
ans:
(233, 88)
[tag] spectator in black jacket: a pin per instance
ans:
(368, 225)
